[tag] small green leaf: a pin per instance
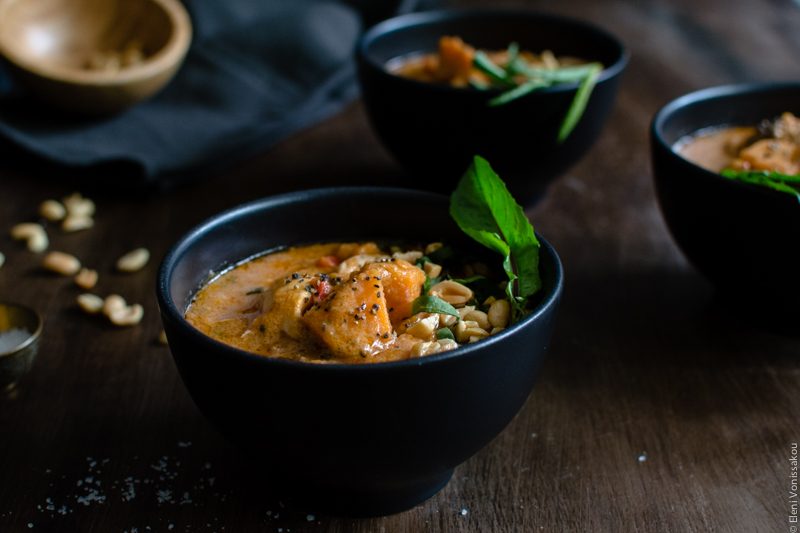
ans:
(518, 92)
(484, 209)
(579, 102)
(445, 333)
(494, 71)
(431, 304)
(429, 282)
(512, 54)
(772, 180)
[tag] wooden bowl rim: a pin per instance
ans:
(171, 53)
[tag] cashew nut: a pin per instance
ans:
(77, 205)
(90, 303)
(86, 278)
(33, 233)
(424, 328)
(134, 260)
(127, 316)
(499, 313)
(432, 269)
(52, 210)
(64, 264)
(76, 223)
(452, 292)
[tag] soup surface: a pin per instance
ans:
(771, 146)
(342, 303)
(454, 64)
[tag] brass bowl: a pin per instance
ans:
(94, 57)
(18, 360)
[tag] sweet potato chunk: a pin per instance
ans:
(455, 58)
(772, 154)
(353, 321)
(403, 283)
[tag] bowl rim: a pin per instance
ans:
(707, 94)
(172, 53)
(170, 311)
(33, 336)
(422, 18)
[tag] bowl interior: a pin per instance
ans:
(73, 35)
(236, 235)
(744, 104)
(493, 30)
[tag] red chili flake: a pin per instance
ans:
(323, 288)
(327, 261)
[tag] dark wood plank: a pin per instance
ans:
(656, 410)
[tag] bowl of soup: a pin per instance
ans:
(725, 161)
(435, 120)
(341, 428)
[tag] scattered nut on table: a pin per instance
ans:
(112, 303)
(64, 264)
(33, 233)
(90, 303)
(76, 223)
(52, 210)
(133, 260)
(86, 278)
(77, 205)
(127, 316)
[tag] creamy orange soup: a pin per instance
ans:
(775, 146)
(337, 303)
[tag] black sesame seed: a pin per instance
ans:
(295, 276)
(377, 286)
(262, 328)
(379, 294)
(376, 306)
(391, 309)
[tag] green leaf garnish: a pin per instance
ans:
(522, 90)
(484, 209)
(494, 71)
(772, 180)
(445, 333)
(432, 304)
(579, 102)
(538, 78)
(429, 282)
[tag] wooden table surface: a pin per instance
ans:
(656, 410)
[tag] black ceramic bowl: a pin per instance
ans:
(743, 238)
(435, 130)
(360, 440)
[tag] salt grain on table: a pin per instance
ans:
(12, 338)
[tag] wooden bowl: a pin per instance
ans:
(94, 57)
